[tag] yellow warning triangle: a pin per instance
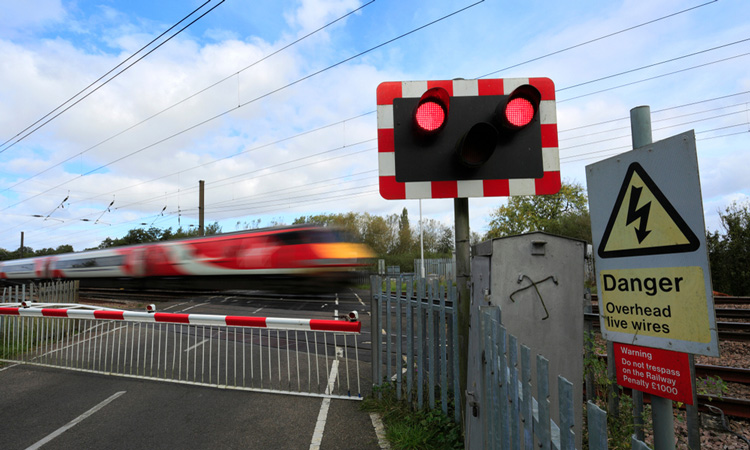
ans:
(643, 222)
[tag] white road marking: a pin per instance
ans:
(196, 345)
(174, 306)
(191, 307)
(379, 431)
(320, 424)
(360, 300)
(257, 310)
(76, 421)
(8, 367)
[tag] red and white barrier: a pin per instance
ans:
(339, 326)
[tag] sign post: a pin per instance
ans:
(652, 264)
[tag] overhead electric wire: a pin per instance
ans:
(278, 141)
(664, 120)
(187, 98)
(557, 52)
(113, 77)
(656, 111)
(214, 184)
(630, 147)
(257, 98)
(654, 129)
(655, 64)
(107, 73)
(652, 78)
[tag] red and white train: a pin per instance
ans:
(271, 258)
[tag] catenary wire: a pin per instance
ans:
(557, 52)
(113, 77)
(187, 98)
(254, 100)
(107, 73)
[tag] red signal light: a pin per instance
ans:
(519, 112)
(431, 113)
(520, 108)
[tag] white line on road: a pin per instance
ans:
(196, 345)
(377, 423)
(76, 421)
(320, 424)
(173, 306)
(358, 298)
(191, 307)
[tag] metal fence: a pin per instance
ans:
(515, 418)
(52, 291)
(417, 349)
(298, 356)
(443, 268)
(414, 348)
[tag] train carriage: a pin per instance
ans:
(271, 258)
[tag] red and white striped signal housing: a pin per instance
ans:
(467, 138)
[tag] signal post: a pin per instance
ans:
(467, 138)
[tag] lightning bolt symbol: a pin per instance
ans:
(639, 213)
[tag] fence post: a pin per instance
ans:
(376, 292)
(597, 421)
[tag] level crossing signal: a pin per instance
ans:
(467, 138)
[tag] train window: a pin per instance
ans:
(81, 263)
(319, 236)
(15, 268)
(291, 238)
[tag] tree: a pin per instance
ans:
(729, 253)
(565, 213)
(377, 234)
(405, 243)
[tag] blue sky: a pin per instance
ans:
(306, 147)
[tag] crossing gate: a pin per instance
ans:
(308, 357)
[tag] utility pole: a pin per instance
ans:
(21, 250)
(201, 208)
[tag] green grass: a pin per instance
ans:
(409, 428)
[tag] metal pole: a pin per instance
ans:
(691, 412)
(463, 275)
(662, 415)
(421, 239)
(201, 208)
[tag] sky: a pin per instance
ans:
(272, 103)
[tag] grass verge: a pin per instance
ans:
(410, 428)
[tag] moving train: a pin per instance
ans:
(280, 258)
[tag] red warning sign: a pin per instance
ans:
(663, 373)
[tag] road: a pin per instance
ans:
(59, 409)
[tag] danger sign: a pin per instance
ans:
(663, 302)
(663, 373)
(651, 257)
